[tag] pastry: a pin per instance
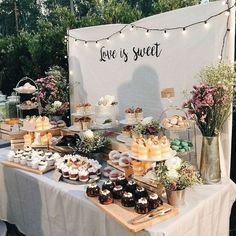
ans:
(131, 186)
(124, 161)
(175, 122)
(105, 197)
(23, 160)
(154, 201)
(93, 190)
(142, 206)
(73, 174)
(143, 150)
(154, 148)
(42, 165)
(117, 192)
(139, 114)
(121, 180)
(140, 192)
(127, 200)
(130, 116)
(108, 185)
(83, 175)
(106, 171)
(113, 175)
(114, 156)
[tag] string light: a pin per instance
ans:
(71, 73)
(65, 57)
(184, 30)
(227, 12)
(85, 43)
(132, 27)
(147, 32)
(108, 39)
(219, 57)
(166, 34)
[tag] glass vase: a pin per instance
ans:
(210, 160)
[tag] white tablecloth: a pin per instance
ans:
(40, 206)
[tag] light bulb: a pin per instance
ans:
(147, 32)
(166, 34)
(227, 13)
(219, 57)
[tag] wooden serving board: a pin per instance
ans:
(26, 168)
(124, 214)
(150, 185)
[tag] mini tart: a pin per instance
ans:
(65, 172)
(140, 192)
(118, 192)
(73, 174)
(93, 190)
(142, 206)
(109, 185)
(114, 174)
(105, 197)
(131, 186)
(83, 175)
(154, 201)
(121, 180)
(127, 200)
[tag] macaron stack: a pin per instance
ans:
(181, 145)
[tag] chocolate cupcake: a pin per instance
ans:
(154, 201)
(109, 185)
(127, 200)
(140, 192)
(131, 186)
(142, 206)
(118, 192)
(121, 180)
(105, 197)
(93, 190)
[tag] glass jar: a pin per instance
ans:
(2, 106)
(11, 106)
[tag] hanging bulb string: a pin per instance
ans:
(156, 29)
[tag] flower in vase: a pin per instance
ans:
(89, 134)
(174, 163)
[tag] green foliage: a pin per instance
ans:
(32, 34)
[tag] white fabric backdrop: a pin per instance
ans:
(138, 83)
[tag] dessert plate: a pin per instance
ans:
(123, 139)
(74, 128)
(18, 90)
(125, 122)
(153, 159)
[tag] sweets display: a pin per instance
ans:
(28, 105)
(128, 192)
(133, 116)
(36, 123)
(153, 147)
(181, 145)
(78, 168)
(36, 159)
(84, 109)
(175, 122)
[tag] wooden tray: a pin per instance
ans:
(124, 214)
(148, 184)
(26, 168)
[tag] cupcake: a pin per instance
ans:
(35, 164)
(73, 174)
(139, 114)
(117, 192)
(127, 200)
(114, 174)
(80, 109)
(92, 190)
(86, 123)
(83, 175)
(134, 147)
(131, 186)
(140, 192)
(105, 197)
(137, 167)
(143, 149)
(114, 156)
(23, 160)
(28, 149)
(154, 148)
(43, 165)
(19, 151)
(17, 158)
(121, 180)
(10, 155)
(108, 185)
(130, 116)
(87, 108)
(29, 161)
(142, 206)
(154, 201)
(126, 131)
(106, 171)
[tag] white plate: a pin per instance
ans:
(24, 92)
(37, 130)
(125, 122)
(104, 126)
(124, 139)
(86, 114)
(153, 159)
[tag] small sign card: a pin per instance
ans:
(56, 176)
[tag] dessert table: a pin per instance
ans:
(40, 206)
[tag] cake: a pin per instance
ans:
(83, 175)
(139, 114)
(45, 123)
(27, 139)
(65, 172)
(131, 186)
(108, 185)
(130, 116)
(165, 146)
(154, 201)
(154, 148)
(140, 192)
(36, 123)
(93, 190)
(127, 200)
(134, 147)
(73, 174)
(80, 109)
(137, 167)
(39, 123)
(142, 206)
(121, 180)
(117, 192)
(127, 131)
(83, 109)
(143, 150)
(105, 197)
